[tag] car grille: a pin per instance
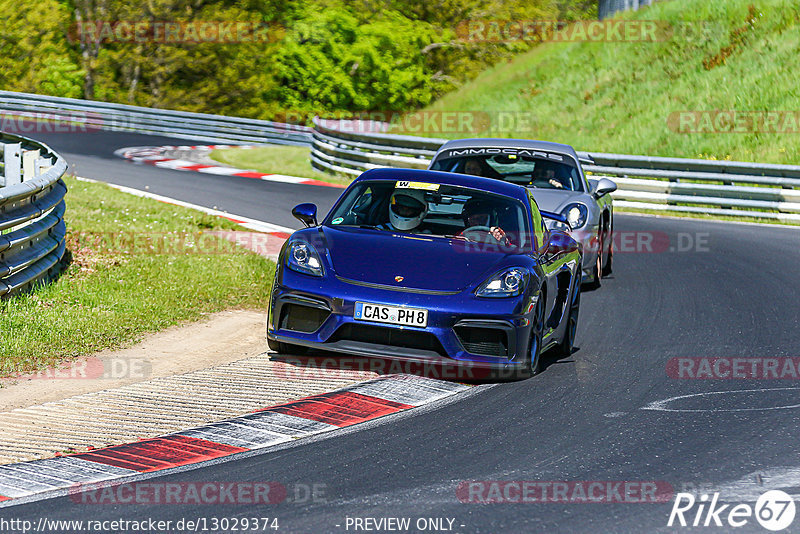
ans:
(483, 341)
(301, 318)
(396, 288)
(410, 339)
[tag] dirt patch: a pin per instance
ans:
(218, 339)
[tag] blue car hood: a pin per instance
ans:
(434, 263)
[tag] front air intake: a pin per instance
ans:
(378, 335)
(299, 318)
(483, 341)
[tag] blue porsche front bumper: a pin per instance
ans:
(318, 312)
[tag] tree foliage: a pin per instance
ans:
(321, 55)
(35, 56)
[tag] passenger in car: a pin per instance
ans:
(478, 215)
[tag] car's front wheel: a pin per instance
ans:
(564, 348)
(534, 358)
(598, 264)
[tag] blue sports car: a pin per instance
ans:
(429, 267)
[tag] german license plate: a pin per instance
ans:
(391, 314)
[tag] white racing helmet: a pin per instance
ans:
(407, 208)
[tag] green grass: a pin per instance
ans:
(618, 97)
(276, 159)
(110, 297)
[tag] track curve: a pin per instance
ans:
(91, 155)
(733, 294)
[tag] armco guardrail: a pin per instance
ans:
(89, 115)
(729, 188)
(341, 150)
(32, 229)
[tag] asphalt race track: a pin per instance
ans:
(91, 155)
(724, 291)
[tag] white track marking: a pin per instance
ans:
(157, 157)
(661, 405)
(252, 224)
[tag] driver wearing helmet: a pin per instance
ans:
(407, 209)
(477, 215)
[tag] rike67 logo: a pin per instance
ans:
(774, 510)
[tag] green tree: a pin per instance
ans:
(331, 55)
(35, 56)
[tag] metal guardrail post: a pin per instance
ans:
(29, 158)
(32, 228)
(12, 162)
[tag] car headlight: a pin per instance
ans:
(508, 283)
(303, 258)
(576, 215)
(553, 224)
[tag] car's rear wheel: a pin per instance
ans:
(564, 348)
(533, 360)
(285, 348)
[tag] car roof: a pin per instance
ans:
(491, 142)
(447, 178)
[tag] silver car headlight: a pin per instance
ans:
(303, 258)
(576, 215)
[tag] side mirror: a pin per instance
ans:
(604, 186)
(558, 243)
(306, 213)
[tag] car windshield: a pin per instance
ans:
(551, 171)
(433, 210)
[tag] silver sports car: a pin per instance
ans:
(554, 175)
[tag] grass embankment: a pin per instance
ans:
(275, 159)
(624, 96)
(139, 266)
(652, 97)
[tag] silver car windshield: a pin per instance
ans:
(553, 172)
